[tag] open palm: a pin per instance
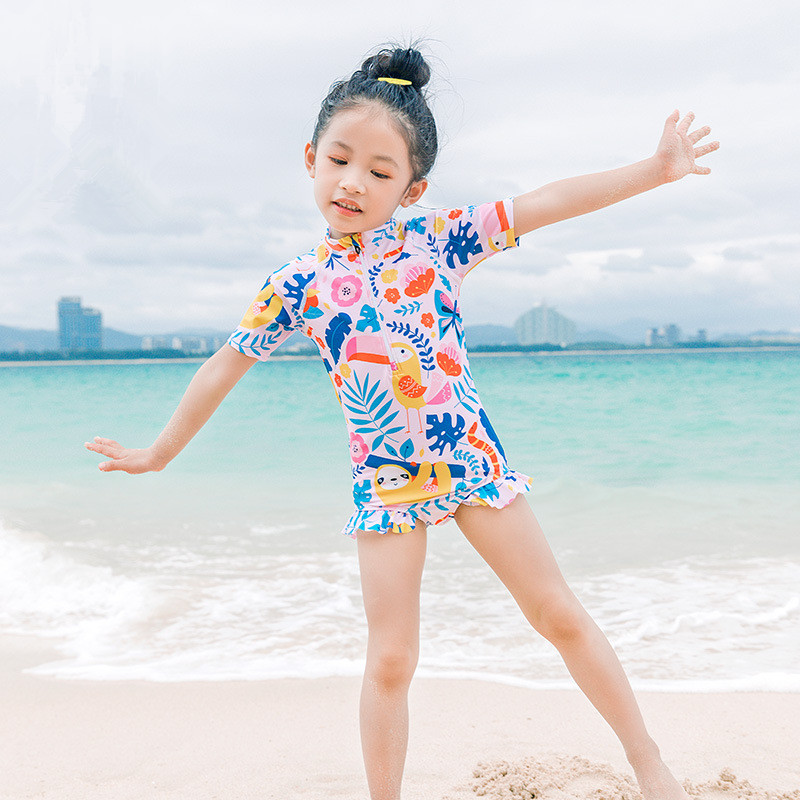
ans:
(677, 149)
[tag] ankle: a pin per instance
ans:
(643, 753)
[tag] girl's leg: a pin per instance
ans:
(512, 543)
(391, 573)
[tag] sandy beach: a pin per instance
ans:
(76, 740)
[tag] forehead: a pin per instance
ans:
(371, 129)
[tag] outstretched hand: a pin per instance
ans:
(133, 462)
(677, 151)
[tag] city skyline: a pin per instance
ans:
(80, 330)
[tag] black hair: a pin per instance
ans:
(407, 103)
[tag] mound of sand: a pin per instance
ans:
(572, 778)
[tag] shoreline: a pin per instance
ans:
(472, 354)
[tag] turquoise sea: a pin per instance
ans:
(668, 485)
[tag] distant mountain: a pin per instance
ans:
(633, 331)
(36, 340)
(594, 335)
(484, 335)
(119, 340)
(16, 340)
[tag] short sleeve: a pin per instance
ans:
(467, 236)
(269, 320)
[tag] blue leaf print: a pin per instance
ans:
(462, 243)
(335, 333)
(360, 399)
(295, 290)
(433, 245)
(445, 432)
(464, 455)
(408, 308)
(487, 426)
(368, 320)
(407, 449)
(378, 400)
(361, 493)
(416, 225)
(332, 259)
(467, 394)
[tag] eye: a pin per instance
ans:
(383, 176)
(338, 161)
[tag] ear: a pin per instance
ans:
(413, 193)
(310, 158)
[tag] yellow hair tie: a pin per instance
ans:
(398, 81)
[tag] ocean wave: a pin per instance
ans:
(164, 613)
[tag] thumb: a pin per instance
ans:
(672, 119)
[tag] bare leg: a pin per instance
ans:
(512, 543)
(391, 573)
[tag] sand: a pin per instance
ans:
(71, 740)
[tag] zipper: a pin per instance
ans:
(378, 315)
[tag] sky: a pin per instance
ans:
(151, 154)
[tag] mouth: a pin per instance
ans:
(347, 208)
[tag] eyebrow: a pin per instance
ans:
(378, 157)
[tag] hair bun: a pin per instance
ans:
(406, 63)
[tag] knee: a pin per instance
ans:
(392, 667)
(560, 618)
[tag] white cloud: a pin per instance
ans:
(159, 150)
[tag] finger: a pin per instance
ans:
(101, 440)
(105, 450)
(698, 170)
(697, 135)
(705, 148)
(683, 127)
(672, 120)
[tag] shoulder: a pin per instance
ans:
(494, 215)
(301, 265)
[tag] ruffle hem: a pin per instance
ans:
(403, 518)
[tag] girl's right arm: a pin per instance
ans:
(208, 388)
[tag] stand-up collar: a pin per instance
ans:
(374, 240)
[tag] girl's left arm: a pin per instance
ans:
(675, 157)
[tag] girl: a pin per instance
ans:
(380, 299)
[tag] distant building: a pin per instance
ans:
(672, 333)
(665, 336)
(196, 345)
(157, 343)
(193, 345)
(544, 325)
(653, 338)
(80, 329)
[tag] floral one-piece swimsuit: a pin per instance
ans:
(382, 307)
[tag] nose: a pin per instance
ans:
(351, 181)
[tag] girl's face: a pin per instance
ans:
(361, 170)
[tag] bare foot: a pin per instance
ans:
(656, 781)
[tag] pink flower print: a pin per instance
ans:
(358, 448)
(346, 290)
